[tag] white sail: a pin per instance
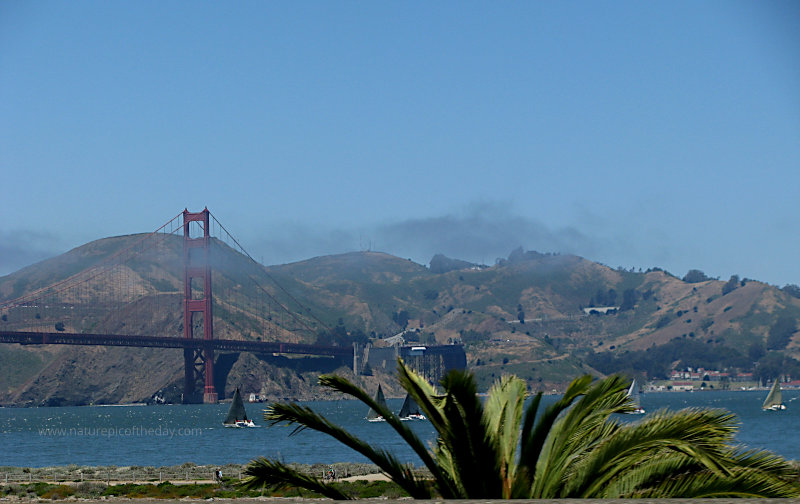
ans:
(633, 393)
(774, 400)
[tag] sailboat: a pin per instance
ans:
(410, 410)
(633, 393)
(237, 416)
(372, 415)
(774, 400)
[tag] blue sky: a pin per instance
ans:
(635, 134)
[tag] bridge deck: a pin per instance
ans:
(60, 338)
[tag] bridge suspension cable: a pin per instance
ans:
(266, 273)
(133, 294)
(106, 293)
(91, 272)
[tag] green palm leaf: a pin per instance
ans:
(305, 418)
(464, 446)
(545, 462)
(645, 473)
(431, 402)
(502, 415)
(743, 483)
(262, 472)
(576, 447)
(342, 385)
(696, 434)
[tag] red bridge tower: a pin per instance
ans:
(198, 363)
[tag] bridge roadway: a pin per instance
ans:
(263, 347)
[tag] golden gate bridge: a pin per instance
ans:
(121, 291)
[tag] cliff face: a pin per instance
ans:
(99, 375)
(530, 315)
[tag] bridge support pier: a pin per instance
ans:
(197, 300)
(209, 392)
(192, 375)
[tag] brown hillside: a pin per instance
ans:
(524, 315)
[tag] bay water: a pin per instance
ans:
(175, 434)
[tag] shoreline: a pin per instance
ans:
(645, 389)
(186, 473)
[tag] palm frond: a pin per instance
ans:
(521, 484)
(588, 422)
(593, 410)
(742, 483)
(538, 462)
(475, 466)
(697, 434)
(342, 385)
(305, 417)
(533, 442)
(644, 473)
(576, 447)
(262, 472)
(502, 415)
(527, 424)
(425, 395)
(430, 402)
(766, 461)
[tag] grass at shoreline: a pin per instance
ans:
(193, 481)
(167, 490)
(184, 472)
